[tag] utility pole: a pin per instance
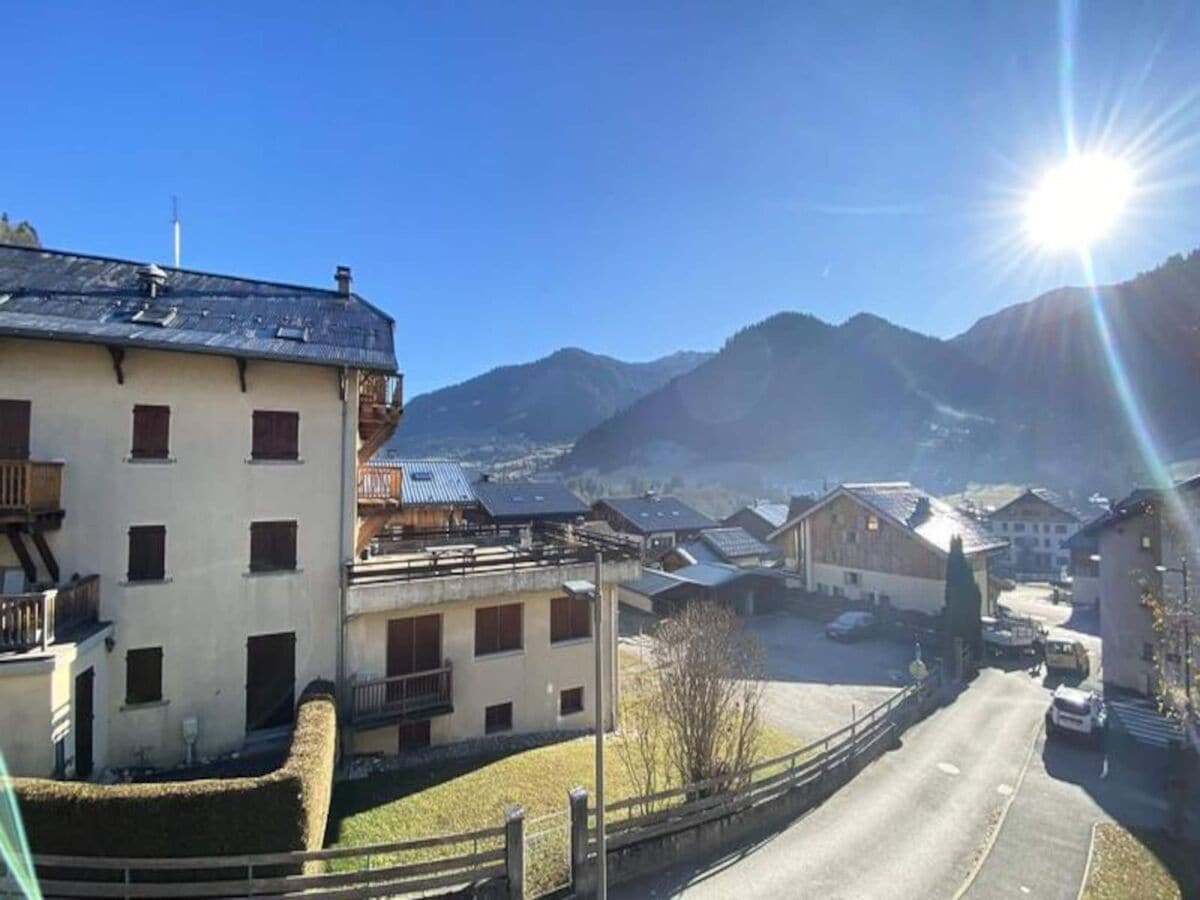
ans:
(598, 624)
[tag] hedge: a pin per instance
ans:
(280, 811)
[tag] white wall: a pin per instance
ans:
(206, 497)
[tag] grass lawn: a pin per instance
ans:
(1143, 864)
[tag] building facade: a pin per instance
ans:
(1037, 524)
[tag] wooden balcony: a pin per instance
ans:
(40, 618)
(379, 488)
(31, 493)
(422, 695)
(380, 405)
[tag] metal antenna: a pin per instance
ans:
(175, 226)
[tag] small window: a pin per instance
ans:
(1004, 526)
(497, 718)
(570, 618)
(884, 598)
(1148, 652)
(276, 435)
(1060, 529)
(833, 517)
(272, 546)
(147, 553)
(851, 578)
(160, 316)
(298, 333)
(1146, 543)
(570, 701)
(143, 675)
(421, 475)
(851, 537)
(872, 522)
(837, 591)
(987, 526)
(497, 629)
(1018, 526)
(151, 432)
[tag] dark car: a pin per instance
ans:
(850, 626)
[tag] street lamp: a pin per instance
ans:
(594, 594)
(1187, 631)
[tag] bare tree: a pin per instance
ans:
(708, 681)
(641, 746)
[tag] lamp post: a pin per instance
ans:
(594, 594)
(1187, 630)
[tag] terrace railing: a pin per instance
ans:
(28, 487)
(37, 618)
(401, 696)
(379, 485)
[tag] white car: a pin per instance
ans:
(1075, 711)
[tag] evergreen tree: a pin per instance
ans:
(963, 618)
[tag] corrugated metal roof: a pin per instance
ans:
(75, 297)
(655, 513)
(733, 543)
(430, 482)
(709, 574)
(506, 499)
(652, 582)
(698, 551)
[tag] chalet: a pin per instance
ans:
(733, 546)
(656, 522)
(884, 544)
(511, 502)
(179, 485)
(1037, 523)
(436, 494)
(759, 519)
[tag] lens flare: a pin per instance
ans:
(1078, 202)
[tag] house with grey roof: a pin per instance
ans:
(435, 494)
(655, 521)
(734, 546)
(884, 545)
(759, 518)
(516, 501)
(1038, 524)
(747, 591)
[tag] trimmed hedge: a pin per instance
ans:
(283, 810)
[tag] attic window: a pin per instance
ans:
(160, 317)
(292, 333)
(421, 476)
(872, 523)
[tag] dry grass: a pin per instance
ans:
(1146, 865)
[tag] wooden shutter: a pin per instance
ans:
(14, 429)
(581, 617)
(487, 630)
(276, 435)
(143, 675)
(147, 552)
(151, 432)
(560, 618)
(272, 546)
(509, 617)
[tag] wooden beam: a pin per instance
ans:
(118, 361)
(22, 553)
(47, 555)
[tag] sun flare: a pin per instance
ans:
(1078, 202)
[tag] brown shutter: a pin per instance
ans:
(510, 626)
(486, 630)
(427, 640)
(272, 546)
(143, 675)
(276, 435)
(581, 617)
(560, 618)
(147, 552)
(14, 429)
(151, 432)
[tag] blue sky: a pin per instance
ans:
(507, 179)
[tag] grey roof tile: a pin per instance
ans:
(654, 513)
(508, 499)
(734, 542)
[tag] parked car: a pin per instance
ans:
(1075, 711)
(1068, 655)
(850, 626)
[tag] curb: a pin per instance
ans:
(991, 841)
(1087, 867)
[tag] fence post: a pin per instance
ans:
(514, 851)
(577, 803)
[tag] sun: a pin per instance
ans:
(1078, 202)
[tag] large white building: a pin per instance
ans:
(1038, 525)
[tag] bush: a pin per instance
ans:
(280, 811)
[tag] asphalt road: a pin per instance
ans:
(974, 800)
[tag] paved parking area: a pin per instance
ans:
(815, 684)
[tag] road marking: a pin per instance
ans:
(1004, 789)
(948, 768)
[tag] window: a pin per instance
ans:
(272, 546)
(1004, 526)
(884, 599)
(1018, 526)
(872, 523)
(276, 435)
(851, 578)
(1148, 652)
(1146, 544)
(570, 618)
(1045, 542)
(147, 553)
(151, 432)
(1060, 529)
(851, 537)
(570, 701)
(497, 718)
(833, 517)
(822, 588)
(143, 675)
(497, 629)
(837, 591)
(987, 526)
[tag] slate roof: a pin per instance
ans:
(648, 514)
(697, 551)
(652, 582)
(772, 514)
(430, 482)
(1128, 507)
(931, 519)
(508, 499)
(92, 299)
(734, 543)
(1055, 499)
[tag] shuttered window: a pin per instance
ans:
(147, 552)
(497, 718)
(151, 432)
(143, 675)
(570, 618)
(276, 435)
(497, 628)
(272, 546)
(14, 429)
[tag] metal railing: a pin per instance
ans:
(398, 696)
(30, 487)
(34, 619)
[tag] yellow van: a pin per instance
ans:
(1065, 654)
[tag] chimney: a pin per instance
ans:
(921, 512)
(343, 279)
(151, 279)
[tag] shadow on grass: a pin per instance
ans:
(362, 794)
(1180, 858)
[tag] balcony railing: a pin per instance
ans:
(38, 618)
(402, 696)
(29, 488)
(381, 390)
(379, 485)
